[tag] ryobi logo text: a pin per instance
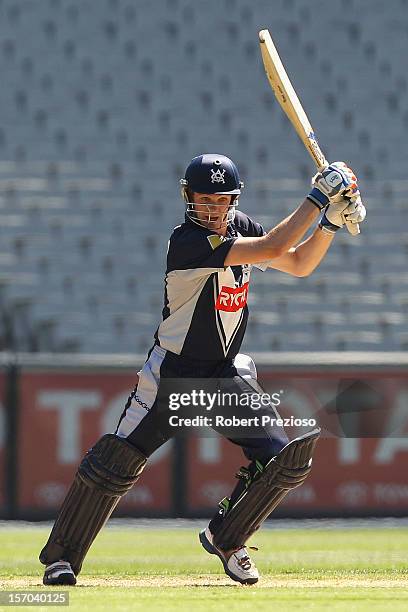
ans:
(231, 300)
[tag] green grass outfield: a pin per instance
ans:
(166, 569)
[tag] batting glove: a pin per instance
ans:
(337, 213)
(332, 183)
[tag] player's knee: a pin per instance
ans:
(112, 465)
(245, 366)
(265, 449)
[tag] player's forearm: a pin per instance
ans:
(277, 242)
(289, 231)
(310, 253)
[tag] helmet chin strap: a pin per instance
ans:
(222, 220)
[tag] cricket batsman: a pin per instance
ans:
(209, 262)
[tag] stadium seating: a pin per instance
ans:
(104, 103)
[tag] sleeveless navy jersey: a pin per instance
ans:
(205, 303)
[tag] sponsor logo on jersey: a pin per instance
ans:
(215, 240)
(231, 300)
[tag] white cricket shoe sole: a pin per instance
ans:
(59, 572)
(239, 566)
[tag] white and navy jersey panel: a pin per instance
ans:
(205, 312)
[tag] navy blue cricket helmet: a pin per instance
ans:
(213, 174)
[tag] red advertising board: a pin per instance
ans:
(61, 415)
(2, 438)
(360, 466)
(361, 461)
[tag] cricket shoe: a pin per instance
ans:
(237, 565)
(59, 573)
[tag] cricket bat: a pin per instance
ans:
(290, 103)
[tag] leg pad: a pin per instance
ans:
(286, 471)
(108, 470)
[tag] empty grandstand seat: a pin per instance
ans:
(91, 103)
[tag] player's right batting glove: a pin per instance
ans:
(332, 183)
(337, 213)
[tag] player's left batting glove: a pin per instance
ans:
(337, 213)
(332, 183)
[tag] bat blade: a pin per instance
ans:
(288, 99)
(291, 105)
